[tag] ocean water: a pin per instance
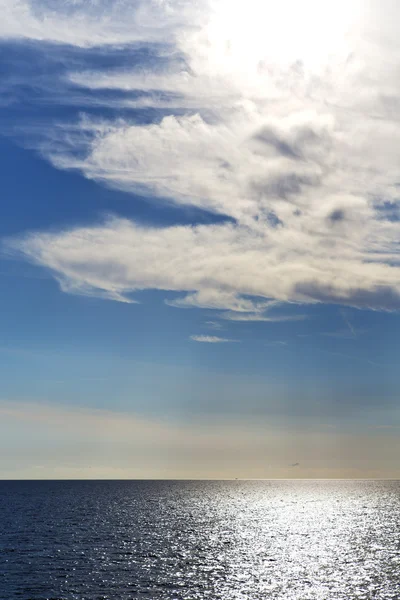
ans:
(119, 540)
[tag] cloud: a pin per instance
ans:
(87, 24)
(260, 317)
(344, 334)
(298, 147)
(229, 266)
(210, 339)
(378, 297)
(218, 167)
(219, 299)
(213, 324)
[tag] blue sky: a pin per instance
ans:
(199, 239)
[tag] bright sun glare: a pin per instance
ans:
(245, 36)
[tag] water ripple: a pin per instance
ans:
(232, 540)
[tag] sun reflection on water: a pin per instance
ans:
(298, 540)
(281, 540)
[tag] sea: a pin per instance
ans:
(195, 540)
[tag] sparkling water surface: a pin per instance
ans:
(119, 540)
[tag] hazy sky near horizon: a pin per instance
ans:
(199, 238)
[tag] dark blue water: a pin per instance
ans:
(195, 540)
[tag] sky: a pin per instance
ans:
(199, 239)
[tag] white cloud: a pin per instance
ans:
(213, 325)
(223, 262)
(260, 317)
(82, 23)
(219, 299)
(210, 339)
(295, 138)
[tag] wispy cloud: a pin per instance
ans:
(349, 325)
(255, 126)
(213, 325)
(349, 333)
(210, 339)
(260, 317)
(88, 24)
(344, 334)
